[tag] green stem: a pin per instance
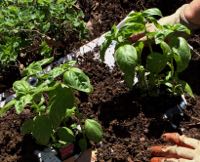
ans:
(172, 67)
(80, 123)
(148, 41)
(36, 106)
(142, 78)
(150, 47)
(53, 138)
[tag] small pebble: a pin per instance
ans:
(142, 139)
(146, 130)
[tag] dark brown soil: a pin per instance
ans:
(14, 146)
(131, 122)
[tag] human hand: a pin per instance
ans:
(185, 150)
(175, 18)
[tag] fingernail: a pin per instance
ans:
(170, 136)
(164, 136)
(156, 159)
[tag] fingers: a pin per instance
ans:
(160, 159)
(184, 151)
(175, 138)
(172, 152)
(181, 140)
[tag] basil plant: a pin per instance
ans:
(157, 59)
(50, 95)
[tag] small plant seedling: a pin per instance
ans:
(155, 67)
(50, 95)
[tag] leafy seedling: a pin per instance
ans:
(153, 67)
(50, 95)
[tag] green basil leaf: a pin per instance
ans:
(27, 127)
(93, 130)
(36, 67)
(82, 144)
(45, 61)
(70, 112)
(139, 48)
(22, 102)
(161, 35)
(136, 17)
(21, 87)
(131, 28)
(182, 54)
(8, 106)
(103, 48)
(42, 129)
(66, 134)
(77, 79)
(186, 88)
(169, 75)
(181, 28)
(156, 62)
(168, 84)
(54, 73)
(32, 69)
(44, 2)
(45, 86)
(165, 48)
(126, 58)
(152, 12)
(45, 50)
(114, 32)
(60, 100)
(46, 26)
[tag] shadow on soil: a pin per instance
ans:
(192, 76)
(121, 107)
(129, 106)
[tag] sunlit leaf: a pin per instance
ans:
(77, 79)
(93, 130)
(22, 102)
(182, 54)
(126, 58)
(152, 12)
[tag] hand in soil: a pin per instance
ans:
(185, 150)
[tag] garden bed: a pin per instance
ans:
(131, 122)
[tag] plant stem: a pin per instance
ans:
(150, 47)
(148, 41)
